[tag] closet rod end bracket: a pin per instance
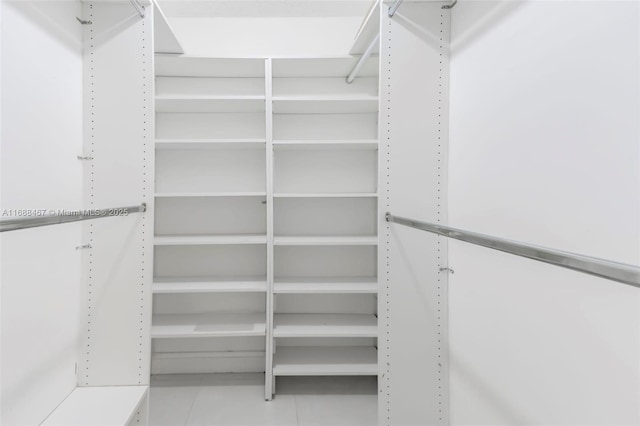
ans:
(450, 6)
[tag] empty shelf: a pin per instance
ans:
(193, 66)
(325, 195)
(191, 240)
(195, 144)
(210, 103)
(178, 285)
(102, 405)
(349, 144)
(332, 285)
(320, 105)
(326, 241)
(167, 326)
(209, 194)
(325, 325)
(325, 361)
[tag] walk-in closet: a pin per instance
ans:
(319, 212)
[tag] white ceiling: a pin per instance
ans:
(264, 8)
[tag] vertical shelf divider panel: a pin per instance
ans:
(270, 344)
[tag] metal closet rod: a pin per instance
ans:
(139, 8)
(621, 272)
(40, 218)
(367, 53)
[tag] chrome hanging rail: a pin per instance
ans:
(367, 53)
(139, 8)
(394, 7)
(621, 272)
(34, 218)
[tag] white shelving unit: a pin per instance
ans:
(210, 284)
(266, 217)
(325, 228)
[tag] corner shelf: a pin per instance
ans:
(325, 325)
(193, 240)
(326, 285)
(326, 361)
(169, 326)
(181, 285)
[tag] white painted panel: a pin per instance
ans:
(213, 261)
(210, 171)
(325, 216)
(545, 108)
(325, 126)
(210, 215)
(325, 171)
(325, 303)
(211, 126)
(41, 135)
(96, 406)
(329, 261)
(413, 160)
(119, 136)
(266, 36)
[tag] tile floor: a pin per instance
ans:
(238, 400)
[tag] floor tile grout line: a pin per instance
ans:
(295, 405)
(195, 397)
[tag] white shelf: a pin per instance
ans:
(325, 325)
(165, 41)
(328, 285)
(194, 66)
(324, 105)
(208, 194)
(368, 30)
(98, 406)
(181, 285)
(165, 103)
(326, 361)
(190, 240)
(326, 241)
(167, 326)
(326, 144)
(321, 67)
(196, 144)
(325, 195)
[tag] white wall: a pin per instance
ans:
(544, 149)
(268, 36)
(41, 137)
